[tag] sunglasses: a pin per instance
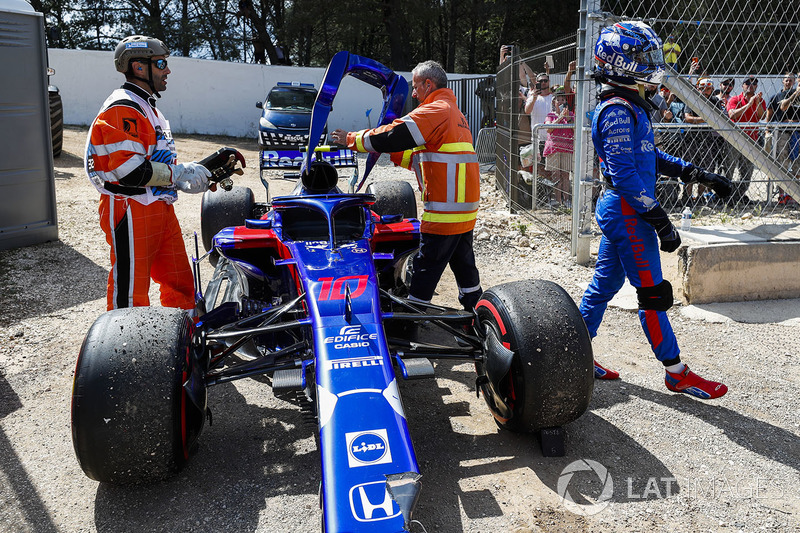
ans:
(750, 82)
(160, 64)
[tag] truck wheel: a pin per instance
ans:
(56, 123)
(222, 209)
(539, 373)
(132, 419)
(393, 198)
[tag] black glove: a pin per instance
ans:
(716, 182)
(667, 234)
(222, 165)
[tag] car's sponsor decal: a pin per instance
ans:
(351, 337)
(293, 158)
(366, 448)
(371, 502)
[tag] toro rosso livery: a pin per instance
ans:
(309, 294)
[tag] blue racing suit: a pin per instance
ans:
(629, 161)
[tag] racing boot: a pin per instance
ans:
(604, 373)
(690, 383)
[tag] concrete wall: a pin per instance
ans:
(204, 96)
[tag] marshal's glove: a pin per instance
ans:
(190, 177)
(716, 182)
(667, 234)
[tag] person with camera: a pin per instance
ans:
(538, 105)
(634, 225)
(558, 148)
(131, 160)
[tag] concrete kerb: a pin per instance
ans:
(729, 274)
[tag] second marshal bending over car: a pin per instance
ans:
(434, 141)
(629, 55)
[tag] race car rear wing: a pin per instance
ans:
(393, 86)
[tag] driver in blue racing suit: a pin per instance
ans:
(628, 55)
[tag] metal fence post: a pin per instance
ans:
(583, 181)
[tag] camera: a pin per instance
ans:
(538, 86)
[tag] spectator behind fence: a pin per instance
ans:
(671, 51)
(568, 90)
(558, 148)
(660, 112)
(784, 107)
(705, 145)
(748, 106)
(486, 93)
(724, 91)
(538, 105)
(673, 141)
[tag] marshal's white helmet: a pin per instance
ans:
(137, 47)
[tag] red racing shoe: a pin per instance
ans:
(604, 373)
(690, 383)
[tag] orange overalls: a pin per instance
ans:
(139, 222)
(434, 140)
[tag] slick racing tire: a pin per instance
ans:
(393, 198)
(56, 123)
(222, 209)
(132, 419)
(550, 378)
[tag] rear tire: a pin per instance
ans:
(393, 198)
(56, 123)
(132, 421)
(222, 209)
(551, 377)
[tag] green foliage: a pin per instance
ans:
(463, 35)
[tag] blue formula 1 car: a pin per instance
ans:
(309, 295)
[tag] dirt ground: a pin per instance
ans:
(649, 460)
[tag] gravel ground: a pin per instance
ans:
(649, 460)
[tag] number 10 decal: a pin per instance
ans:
(335, 290)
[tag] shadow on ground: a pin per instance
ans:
(21, 503)
(33, 273)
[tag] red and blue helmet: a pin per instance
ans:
(628, 53)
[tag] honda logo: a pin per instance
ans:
(371, 502)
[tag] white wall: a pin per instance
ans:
(204, 96)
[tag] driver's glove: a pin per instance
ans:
(667, 234)
(720, 184)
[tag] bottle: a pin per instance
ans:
(686, 219)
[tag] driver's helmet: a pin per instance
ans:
(137, 47)
(628, 53)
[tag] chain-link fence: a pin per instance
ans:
(731, 104)
(535, 127)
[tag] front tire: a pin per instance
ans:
(132, 420)
(222, 209)
(551, 376)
